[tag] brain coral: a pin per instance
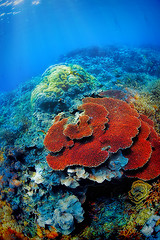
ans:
(59, 84)
(105, 126)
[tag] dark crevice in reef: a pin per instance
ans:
(108, 189)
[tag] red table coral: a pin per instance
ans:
(151, 169)
(87, 153)
(80, 130)
(141, 150)
(105, 126)
(123, 123)
(55, 140)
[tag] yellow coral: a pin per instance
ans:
(149, 101)
(127, 233)
(154, 197)
(60, 78)
(139, 191)
(39, 232)
(1, 155)
(7, 220)
(143, 216)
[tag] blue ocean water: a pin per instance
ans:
(34, 33)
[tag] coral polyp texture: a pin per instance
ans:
(105, 126)
(59, 85)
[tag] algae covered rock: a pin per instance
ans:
(62, 213)
(68, 210)
(60, 85)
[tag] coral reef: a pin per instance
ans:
(104, 144)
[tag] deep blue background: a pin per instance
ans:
(32, 40)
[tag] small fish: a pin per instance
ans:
(42, 131)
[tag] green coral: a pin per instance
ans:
(60, 79)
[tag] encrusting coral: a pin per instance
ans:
(139, 191)
(105, 126)
(9, 228)
(148, 101)
(58, 86)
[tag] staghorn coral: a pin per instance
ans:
(136, 220)
(139, 191)
(129, 232)
(43, 233)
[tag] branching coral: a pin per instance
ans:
(127, 233)
(154, 197)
